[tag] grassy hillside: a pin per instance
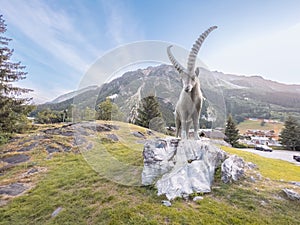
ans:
(256, 125)
(78, 181)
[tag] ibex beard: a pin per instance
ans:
(189, 105)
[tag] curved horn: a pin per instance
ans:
(195, 49)
(176, 64)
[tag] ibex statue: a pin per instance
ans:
(189, 105)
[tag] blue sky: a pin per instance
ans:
(58, 40)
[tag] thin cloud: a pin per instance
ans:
(120, 24)
(273, 55)
(52, 30)
(40, 94)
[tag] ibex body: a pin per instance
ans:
(189, 105)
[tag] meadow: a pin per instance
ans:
(90, 187)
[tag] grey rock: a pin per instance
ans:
(66, 148)
(295, 183)
(102, 127)
(180, 170)
(33, 170)
(67, 133)
(12, 189)
(60, 131)
(259, 176)
(263, 203)
(232, 169)
(80, 129)
(113, 137)
(79, 140)
(291, 194)
(51, 149)
(251, 165)
(16, 159)
(89, 146)
(149, 132)
(54, 131)
(252, 179)
(166, 203)
(197, 198)
(97, 127)
(138, 134)
(56, 211)
(28, 148)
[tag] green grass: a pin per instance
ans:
(87, 196)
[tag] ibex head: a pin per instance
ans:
(189, 75)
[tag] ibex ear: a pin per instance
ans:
(197, 71)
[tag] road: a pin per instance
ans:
(276, 154)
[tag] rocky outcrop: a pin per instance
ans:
(179, 169)
(292, 195)
(232, 169)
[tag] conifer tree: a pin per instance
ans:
(13, 108)
(231, 132)
(290, 134)
(149, 114)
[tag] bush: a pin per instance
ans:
(240, 145)
(4, 138)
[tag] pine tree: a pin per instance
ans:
(13, 108)
(231, 132)
(149, 114)
(290, 134)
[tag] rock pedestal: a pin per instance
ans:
(180, 168)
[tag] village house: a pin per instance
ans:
(260, 137)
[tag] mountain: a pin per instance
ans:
(242, 96)
(72, 94)
(254, 96)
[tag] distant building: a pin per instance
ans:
(261, 133)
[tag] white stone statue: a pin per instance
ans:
(189, 105)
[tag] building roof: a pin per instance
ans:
(213, 134)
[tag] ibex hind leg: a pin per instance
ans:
(187, 129)
(178, 126)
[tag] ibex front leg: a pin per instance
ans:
(196, 125)
(184, 129)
